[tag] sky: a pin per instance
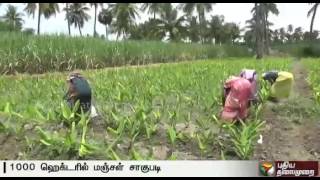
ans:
(290, 13)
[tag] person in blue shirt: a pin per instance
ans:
(78, 90)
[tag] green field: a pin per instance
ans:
(39, 54)
(163, 111)
(313, 77)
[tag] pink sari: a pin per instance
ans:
(237, 101)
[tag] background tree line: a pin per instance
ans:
(185, 22)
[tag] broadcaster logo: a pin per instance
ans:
(266, 168)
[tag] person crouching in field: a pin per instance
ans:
(78, 90)
(252, 76)
(236, 95)
(281, 84)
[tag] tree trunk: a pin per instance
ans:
(117, 36)
(199, 14)
(106, 32)
(263, 26)
(39, 17)
(259, 43)
(67, 4)
(124, 36)
(95, 20)
(80, 30)
(312, 20)
(154, 15)
(266, 35)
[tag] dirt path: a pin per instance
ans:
(292, 126)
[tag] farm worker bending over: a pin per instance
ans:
(270, 76)
(238, 93)
(281, 83)
(251, 76)
(78, 89)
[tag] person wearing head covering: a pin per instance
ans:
(78, 90)
(270, 76)
(252, 77)
(281, 84)
(238, 93)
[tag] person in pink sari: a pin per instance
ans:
(238, 92)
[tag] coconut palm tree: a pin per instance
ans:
(282, 34)
(105, 18)
(153, 8)
(297, 35)
(45, 9)
(78, 15)
(67, 9)
(264, 10)
(201, 9)
(258, 25)
(312, 11)
(95, 16)
(193, 30)
(169, 22)
(13, 18)
(290, 28)
(125, 15)
(275, 36)
(216, 28)
(289, 32)
(268, 8)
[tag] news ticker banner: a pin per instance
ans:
(157, 168)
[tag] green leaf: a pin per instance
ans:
(65, 111)
(115, 117)
(83, 151)
(121, 126)
(173, 157)
(114, 155)
(73, 133)
(222, 155)
(112, 131)
(7, 108)
(3, 128)
(136, 155)
(43, 135)
(200, 143)
(17, 114)
(45, 142)
(172, 134)
(39, 115)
